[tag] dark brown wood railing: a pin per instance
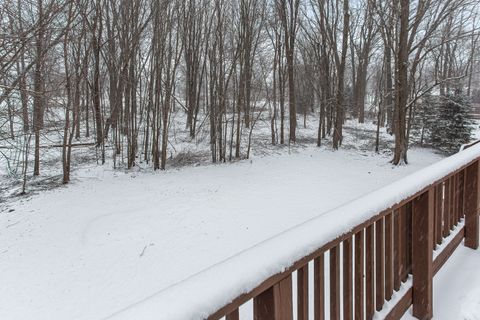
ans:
(391, 252)
(375, 268)
(468, 145)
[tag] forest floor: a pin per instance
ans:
(114, 237)
(183, 151)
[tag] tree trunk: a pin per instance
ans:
(97, 31)
(39, 86)
(339, 114)
(400, 152)
(291, 95)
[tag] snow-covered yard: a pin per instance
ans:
(112, 238)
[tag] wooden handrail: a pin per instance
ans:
(393, 248)
(468, 145)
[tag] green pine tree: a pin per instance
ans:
(453, 124)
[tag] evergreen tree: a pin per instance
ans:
(424, 119)
(453, 126)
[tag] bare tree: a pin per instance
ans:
(327, 14)
(288, 11)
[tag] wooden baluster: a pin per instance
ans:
(408, 237)
(459, 196)
(379, 264)
(404, 246)
(369, 272)
(347, 279)
(397, 249)
(472, 186)
(452, 203)
(462, 195)
(465, 193)
(434, 222)
(234, 315)
(319, 287)
(359, 275)
(388, 257)
(455, 200)
(335, 283)
(438, 213)
(422, 266)
(264, 306)
(275, 303)
(302, 293)
(446, 209)
(283, 295)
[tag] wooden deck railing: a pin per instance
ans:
(468, 145)
(367, 265)
(379, 267)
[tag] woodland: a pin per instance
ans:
(120, 79)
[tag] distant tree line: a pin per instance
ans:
(118, 71)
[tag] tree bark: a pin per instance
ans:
(401, 98)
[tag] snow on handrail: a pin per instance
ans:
(468, 145)
(204, 293)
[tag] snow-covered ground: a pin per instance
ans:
(113, 238)
(182, 151)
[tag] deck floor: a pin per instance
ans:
(456, 287)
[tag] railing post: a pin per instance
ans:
(422, 266)
(275, 303)
(471, 205)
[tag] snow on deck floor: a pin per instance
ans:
(112, 239)
(456, 287)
